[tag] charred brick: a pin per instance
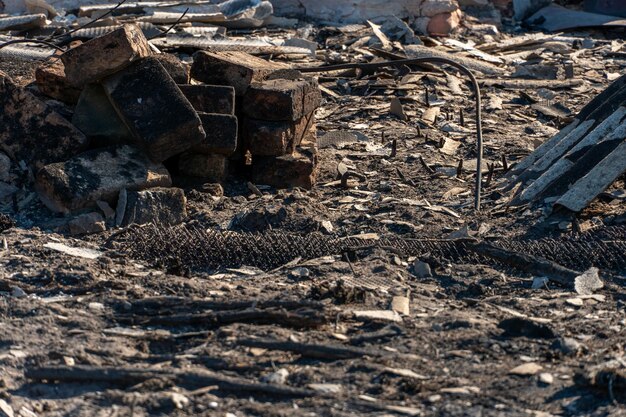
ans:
(51, 81)
(162, 206)
(213, 167)
(219, 99)
(271, 138)
(281, 99)
(221, 134)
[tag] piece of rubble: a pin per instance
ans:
(177, 69)
(236, 69)
(96, 117)
(275, 138)
(97, 175)
(88, 223)
(219, 99)
(51, 81)
(162, 206)
(298, 169)
(105, 55)
(162, 120)
(281, 99)
(444, 23)
(526, 369)
(221, 134)
(212, 167)
(31, 131)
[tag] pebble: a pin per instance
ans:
(279, 377)
(526, 369)
(546, 378)
(422, 269)
(567, 345)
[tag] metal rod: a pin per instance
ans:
(435, 60)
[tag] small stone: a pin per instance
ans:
(576, 302)
(401, 304)
(434, 398)
(444, 23)
(162, 206)
(212, 167)
(179, 400)
(17, 292)
(105, 55)
(279, 377)
(567, 346)
(5, 409)
(299, 273)
(51, 81)
(95, 175)
(281, 99)
(526, 369)
(218, 99)
(236, 69)
(377, 315)
(431, 8)
(546, 378)
(87, 224)
(162, 120)
(421, 269)
(32, 131)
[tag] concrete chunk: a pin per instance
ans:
(219, 99)
(221, 134)
(95, 175)
(31, 131)
(51, 81)
(105, 55)
(237, 69)
(270, 138)
(163, 206)
(161, 119)
(281, 99)
(96, 117)
(213, 168)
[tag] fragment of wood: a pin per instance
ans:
(523, 84)
(302, 318)
(596, 180)
(557, 168)
(192, 379)
(531, 264)
(419, 51)
(309, 350)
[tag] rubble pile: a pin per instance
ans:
(138, 116)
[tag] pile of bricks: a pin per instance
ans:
(140, 116)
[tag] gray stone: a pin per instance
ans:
(99, 174)
(162, 120)
(422, 269)
(87, 224)
(162, 206)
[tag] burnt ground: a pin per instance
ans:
(75, 332)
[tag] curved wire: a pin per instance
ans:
(171, 27)
(435, 60)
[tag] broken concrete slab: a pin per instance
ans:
(298, 169)
(161, 119)
(219, 99)
(281, 99)
(221, 134)
(105, 55)
(31, 131)
(88, 223)
(213, 167)
(162, 206)
(236, 69)
(96, 117)
(270, 138)
(99, 174)
(51, 81)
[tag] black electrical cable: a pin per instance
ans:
(431, 60)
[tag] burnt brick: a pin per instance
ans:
(162, 206)
(51, 81)
(161, 119)
(237, 69)
(31, 131)
(105, 55)
(98, 174)
(271, 138)
(298, 169)
(221, 134)
(213, 167)
(178, 70)
(281, 99)
(219, 99)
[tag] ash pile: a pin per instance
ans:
(139, 116)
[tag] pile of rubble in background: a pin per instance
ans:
(136, 113)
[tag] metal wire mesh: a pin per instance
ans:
(193, 247)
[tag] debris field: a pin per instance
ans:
(269, 208)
